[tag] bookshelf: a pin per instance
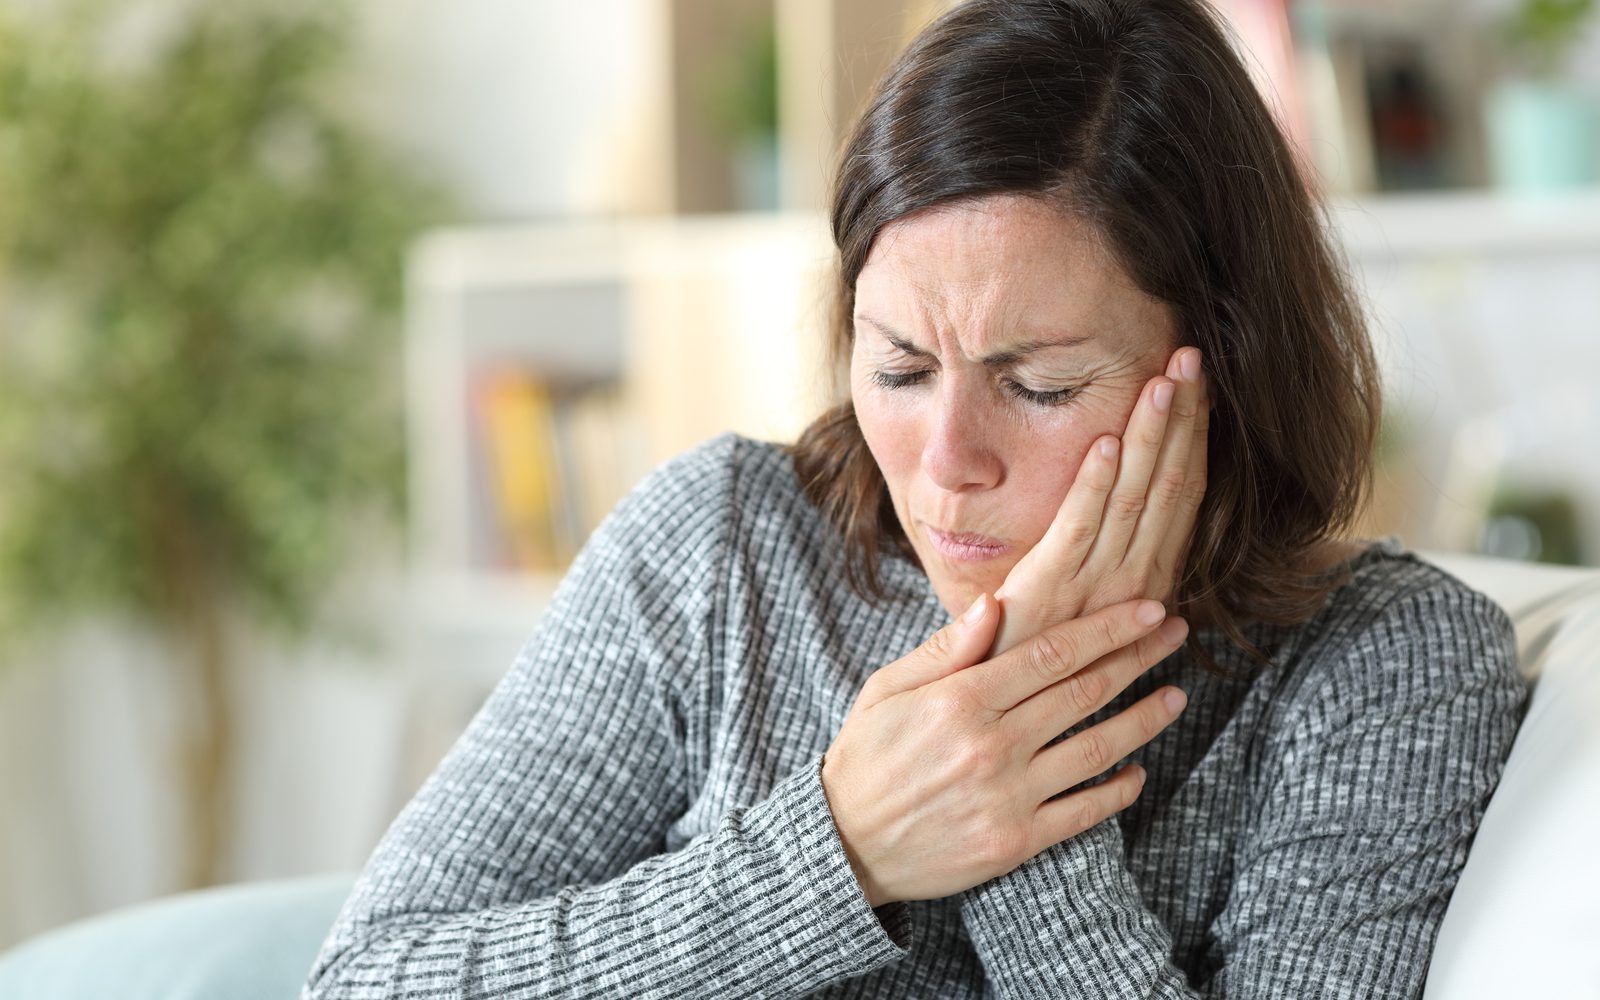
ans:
(490, 341)
(671, 330)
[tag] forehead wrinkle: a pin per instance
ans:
(1010, 355)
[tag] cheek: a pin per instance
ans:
(1043, 464)
(1041, 475)
(892, 434)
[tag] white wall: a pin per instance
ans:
(91, 810)
(530, 107)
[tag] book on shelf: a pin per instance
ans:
(551, 466)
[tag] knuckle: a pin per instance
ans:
(1168, 488)
(948, 703)
(1124, 506)
(1050, 654)
(1094, 750)
(1154, 721)
(939, 645)
(1084, 691)
(978, 759)
(1109, 630)
(1081, 533)
(1002, 845)
(1194, 490)
(1083, 814)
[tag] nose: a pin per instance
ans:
(959, 452)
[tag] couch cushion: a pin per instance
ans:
(1525, 915)
(250, 941)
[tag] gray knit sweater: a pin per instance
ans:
(637, 809)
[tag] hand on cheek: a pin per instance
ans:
(1124, 526)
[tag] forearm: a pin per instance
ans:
(766, 905)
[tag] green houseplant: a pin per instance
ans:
(200, 269)
(740, 95)
(1540, 34)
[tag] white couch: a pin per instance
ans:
(1525, 918)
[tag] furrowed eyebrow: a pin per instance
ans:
(995, 360)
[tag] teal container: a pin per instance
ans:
(1543, 136)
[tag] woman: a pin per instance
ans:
(1093, 329)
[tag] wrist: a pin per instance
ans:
(875, 894)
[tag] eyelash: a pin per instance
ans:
(1056, 397)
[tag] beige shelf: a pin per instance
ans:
(706, 324)
(830, 53)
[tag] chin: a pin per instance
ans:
(957, 592)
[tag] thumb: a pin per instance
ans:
(958, 645)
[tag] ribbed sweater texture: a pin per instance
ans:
(637, 809)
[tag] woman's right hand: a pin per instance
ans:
(939, 778)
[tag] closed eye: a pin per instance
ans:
(1053, 397)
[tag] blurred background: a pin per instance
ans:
(329, 331)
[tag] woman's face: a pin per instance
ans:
(1019, 343)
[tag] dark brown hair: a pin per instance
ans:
(1138, 117)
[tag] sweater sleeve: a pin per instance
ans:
(531, 862)
(1379, 774)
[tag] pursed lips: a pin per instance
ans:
(967, 538)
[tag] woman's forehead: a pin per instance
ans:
(997, 276)
(997, 231)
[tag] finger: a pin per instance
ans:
(1170, 475)
(954, 647)
(1169, 557)
(1092, 751)
(1061, 706)
(1070, 815)
(1051, 656)
(1077, 523)
(1141, 442)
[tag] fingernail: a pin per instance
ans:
(1190, 365)
(1141, 777)
(1163, 396)
(975, 612)
(1175, 700)
(1108, 447)
(1149, 612)
(1174, 628)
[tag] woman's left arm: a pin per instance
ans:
(1369, 794)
